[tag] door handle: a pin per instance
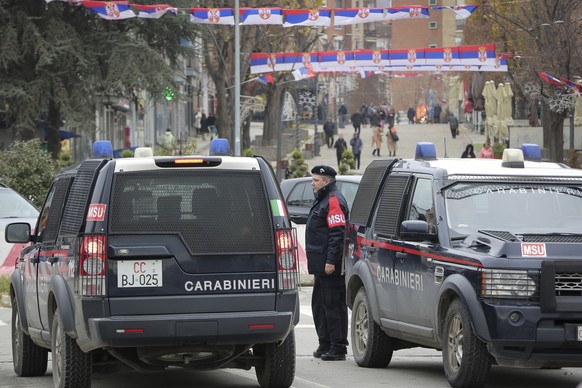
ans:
(53, 259)
(401, 255)
(35, 260)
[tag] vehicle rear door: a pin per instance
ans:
(183, 234)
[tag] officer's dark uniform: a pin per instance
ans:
(324, 244)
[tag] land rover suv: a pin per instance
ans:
(481, 259)
(157, 262)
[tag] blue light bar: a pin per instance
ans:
(102, 149)
(425, 151)
(219, 147)
(532, 152)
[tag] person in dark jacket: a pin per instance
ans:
(454, 125)
(356, 121)
(340, 146)
(324, 235)
(469, 152)
(329, 130)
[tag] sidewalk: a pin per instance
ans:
(409, 134)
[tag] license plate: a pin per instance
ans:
(139, 273)
(579, 333)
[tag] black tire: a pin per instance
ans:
(29, 359)
(371, 347)
(278, 370)
(71, 366)
(466, 360)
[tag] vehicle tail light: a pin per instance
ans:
(92, 266)
(287, 259)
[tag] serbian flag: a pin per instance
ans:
(478, 54)
(407, 58)
(297, 60)
(550, 79)
(442, 56)
(212, 16)
(344, 17)
(302, 73)
(307, 17)
(256, 16)
(154, 11)
(266, 79)
(266, 62)
(333, 59)
(407, 12)
(110, 10)
(461, 11)
(372, 58)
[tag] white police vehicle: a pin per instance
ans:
(478, 258)
(184, 261)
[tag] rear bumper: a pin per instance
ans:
(183, 329)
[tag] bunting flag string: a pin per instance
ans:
(119, 10)
(560, 81)
(458, 58)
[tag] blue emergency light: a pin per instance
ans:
(532, 152)
(425, 151)
(102, 149)
(219, 147)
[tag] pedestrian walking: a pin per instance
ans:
(469, 152)
(377, 139)
(169, 141)
(391, 140)
(357, 146)
(356, 121)
(329, 130)
(343, 114)
(340, 146)
(203, 125)
(437, 113)
(411, 114)
(454, 125)
(211, 123)
(198, 123)
(324, 234)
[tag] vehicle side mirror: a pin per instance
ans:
(416, 230)
(18, 232)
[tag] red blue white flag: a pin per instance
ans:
(551, 79)
(266, 79)
(302, 73)
(407, 58)
(212, 16)
(261, 16)
(267, 63)
(407, 12)
(347, 16)
(110, 10)
(461, 11)
(307, 17)
(328, 60)
(442, 56)
(480, 55)
(154, 11)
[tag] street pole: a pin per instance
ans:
(315, 118)
(572, 128)
(237, 150)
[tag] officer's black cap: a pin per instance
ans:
(324, 170)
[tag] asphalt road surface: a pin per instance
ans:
(409, 369)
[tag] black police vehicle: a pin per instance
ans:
(478, 258)
(155, 262)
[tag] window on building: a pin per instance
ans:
(432, 25)
(459, 24)
(458, 40)
(432, 2)
(433, 45)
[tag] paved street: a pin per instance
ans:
(439, 134)
(411, 368)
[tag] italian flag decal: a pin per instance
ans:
(278, 208)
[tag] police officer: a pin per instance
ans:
(324, 245)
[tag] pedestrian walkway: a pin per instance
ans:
(409, 134)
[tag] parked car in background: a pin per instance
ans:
(13, 208)
(299, 198)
